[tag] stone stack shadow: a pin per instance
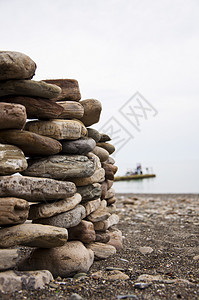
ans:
(56, 177)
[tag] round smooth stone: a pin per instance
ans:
(80, 146)
(92, 111)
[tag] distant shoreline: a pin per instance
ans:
(157, 194)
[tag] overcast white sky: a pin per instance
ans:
(115, 48)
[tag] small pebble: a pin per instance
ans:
(130, 296)
(79, 275)
(114, 268)
(142, 285)
(75, 297)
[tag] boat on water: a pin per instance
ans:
(135, 174)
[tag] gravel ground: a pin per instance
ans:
(160, 239)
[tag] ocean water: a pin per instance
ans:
(171, 177)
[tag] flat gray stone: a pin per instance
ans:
(12, 160)
(16, 65)
(67, 219)
(58, 129)
(80, 146)
(13, 281)
(90, 192)
(29, 88)
(98, 176)
(30, 143)
(13, 211)
(46, 210)
(35, 189)
(33, 235)
(70, 89)
(12, 115)
(63, 261)
(61, 167)
(8, 259)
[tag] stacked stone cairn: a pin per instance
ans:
(56, 178)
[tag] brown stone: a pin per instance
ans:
(104, 138)
(33, 235)
(29, 88)
(61, 167)
(8, 259)
(83, 232)
(99, 214)
(104, 189)
(115, 238)
(36, 108)
(110, 160)
(91, 206)
(111, 200)
(111, 208)
(101, 251)
(94, 134)
(12, 160)
(63, 261)
(104, 225)
(101, 153)
(92, 111)
(80, 146)
(35, 189)
(13, 211)
(46, 210)
(109, 169)
(102, 237)
(58, 129)
(69, 87)
(12, 115)
(109, 183)
(71, 109)
(107, 146)
(30, 143)
(16, 65)
(110, 193)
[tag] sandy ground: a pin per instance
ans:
(161, 239)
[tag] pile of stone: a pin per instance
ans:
(56, 178)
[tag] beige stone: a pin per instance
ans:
(100, 214)
(110, 193)
(63, 261)
(61, 167)
(12, 115)
(33, 235)
(111, 200)
(70, 89)
(30, 143)
(83, 232)
(101, 153)
(16, 65)
(35, 189)
(13, 281)
(13, 211)
(91, 206)
(8, 259)
(101, 250)
(12, 160)
(58, 129)
(102, 237)
(46, 210)
(71, 109)
(92, 111)
(116, 238)
(98, 176)
(104, 225)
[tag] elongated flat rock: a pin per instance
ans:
(91, 206)
(46, 210)
(33, 235)
(16, 65)
(100, 214)
(90, 192)
(101, 153)
(104, 225)
(104, 138)
(36, 108)
(67, 219)
(12, 160)
(12, 116)
(13, 211)
(29, 88)
(61, 167)
(58, 129)
(35, 189)
(101, 251)
(8, 259)
(30, 143)
(92, 111)
(13, 281)
(83, 232)
(110, 193)
(107, 146)
(63, 261)
(94, 134)
(98, 176)
(71, 109)
(80, 146)
(69, 87)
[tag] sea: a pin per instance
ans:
(176, 177)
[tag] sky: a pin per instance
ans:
(115, 48)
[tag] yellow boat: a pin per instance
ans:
(133, 177)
